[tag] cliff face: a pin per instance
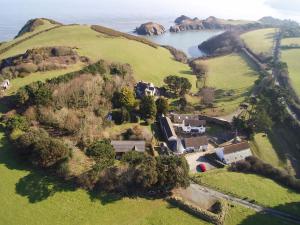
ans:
(150, 29)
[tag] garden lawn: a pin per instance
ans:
(32, 198)
(264, 191)
(260, 41)
(230, 73)
(264, 149)
(291, 57)
(149, 64)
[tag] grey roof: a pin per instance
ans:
(179, 118)
(233, 148)
(194, 123)
(195, 141)
(127, 146)
(167, 127)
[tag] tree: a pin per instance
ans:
(199, 68)
(208, 95)
(124, 98)
(173, 171)
(144, 165)
(262, 120)
(178, 85)
(148, 108)
(182, 102)
(17, 122)
(162, 106)
(102, 152)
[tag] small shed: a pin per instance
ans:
(122, 147)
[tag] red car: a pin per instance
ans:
(201, 167)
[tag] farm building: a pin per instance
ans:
(193, 126)
(196, 143)
(173, 142)
(234, 152)
(122, 147)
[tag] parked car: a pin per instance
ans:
(201, 167)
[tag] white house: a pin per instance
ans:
(234, 152)
(5, 84)
(145, 89)
(193, 126)
(196, 144)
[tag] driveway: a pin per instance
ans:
(194, 159)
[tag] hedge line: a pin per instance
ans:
(206, 215)
(114, 33)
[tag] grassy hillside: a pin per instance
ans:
(264, 149)
(264, 191)
(260, 41)
(150, 64)
(230, 73)
(291, 57)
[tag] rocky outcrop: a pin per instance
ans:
(150, 28)
(184, 23)
(32, 24)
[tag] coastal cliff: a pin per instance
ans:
(150, 28)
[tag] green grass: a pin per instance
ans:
(40, 76)
(291, 57)
(149, 64)
(230, 72)
(264, 149)
(264, 191)
(32, 198)
(241, 215)
(260, 41)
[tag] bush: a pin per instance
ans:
(102, 152)
(40, 149)
(89, 179)
(17, 122)
(27, 68)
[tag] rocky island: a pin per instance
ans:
(184, 23)
(150, 29)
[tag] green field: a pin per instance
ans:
(263, 148)
(291, 57)
(230, 73)
(260, 41)
(149, 64)
(264, 191)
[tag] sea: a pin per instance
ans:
(187, 41)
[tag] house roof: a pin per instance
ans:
(127, 146)
(179, 118)
(195, 141)
(236, 147)
(194, 123)
(167, 127)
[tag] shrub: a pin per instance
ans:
(102, 152)
(17, 122)
(15, 134)
(27, 68)
(89, 179)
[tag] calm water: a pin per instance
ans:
(185, 41)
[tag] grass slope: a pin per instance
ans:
(31, 198)
(264, 149)
(230, 72)
(264, 191)
(289, 41)
(291, 57)
(149, 63)
(260, 41)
